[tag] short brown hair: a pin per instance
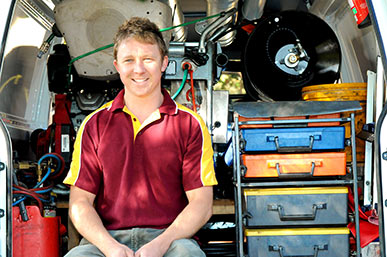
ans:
(141, 29)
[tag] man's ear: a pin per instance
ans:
(116, 65)
(165, 64)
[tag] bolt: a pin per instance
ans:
(1, 213)
(384, 156)
(2, 166)
(292, 58)
(368, 183)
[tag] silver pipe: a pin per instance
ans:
(179, 33)
(217, 6)
(176, 49)
(253, 9)
(218, 32)
(42, 14)
(219, 21)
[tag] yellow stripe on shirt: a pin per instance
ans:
(207, 172)
(75, 166)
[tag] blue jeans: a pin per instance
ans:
(135, 238)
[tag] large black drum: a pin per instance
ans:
(287, 51)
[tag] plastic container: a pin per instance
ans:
(294, 165)
(293, 139)
(37, 237)
(343, 92)
(309, 124)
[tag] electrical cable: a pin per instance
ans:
(57, 171)
(192, 90)
(32, 195)
(192, 22)
(61, 168)
(37, 191)
(181, 85)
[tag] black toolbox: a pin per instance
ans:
(296, 206)
(321, 242)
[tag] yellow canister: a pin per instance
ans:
(343, 92)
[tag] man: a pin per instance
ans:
(142, 170)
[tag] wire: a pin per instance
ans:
(58, 170)
(192, 22)
(192, 90)
(61, 167)
(37, 191)
(181, 85)
(30, 194)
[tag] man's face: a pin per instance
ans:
(140, 66)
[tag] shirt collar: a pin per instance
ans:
(168, 106)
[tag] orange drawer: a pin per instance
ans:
(241, 119)
(294, 165)
(324, 116)
(309, 124)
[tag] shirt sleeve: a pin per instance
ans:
(85, 171)
(198, 163)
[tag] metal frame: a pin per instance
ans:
(238, 184)
(5, 191)
(381, 168)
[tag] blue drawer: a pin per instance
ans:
(293, 139)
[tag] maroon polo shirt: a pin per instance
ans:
(140, 172)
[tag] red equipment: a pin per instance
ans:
(37, 237)
(360, 12)
(59, 136)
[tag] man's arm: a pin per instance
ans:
(187, 223)
(88, 223)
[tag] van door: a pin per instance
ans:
(5, 191)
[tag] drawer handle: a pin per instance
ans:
(307, 174)
(297, 217)
(287, 149)
(280, 250)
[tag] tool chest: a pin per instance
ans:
(291, 178)
(321, 242)
(296, 206)
(293, 139)
(309, 124)
(294, 165)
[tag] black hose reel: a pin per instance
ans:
(287, 51)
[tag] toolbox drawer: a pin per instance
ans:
(296, 206)
(289, 118)
(294, 165)
(321, 242)
(293, 139)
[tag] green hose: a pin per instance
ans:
(181, 85)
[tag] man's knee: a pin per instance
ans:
(184, 247)
(85, 250)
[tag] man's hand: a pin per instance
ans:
(120, 251)
(155, 248)
(88, 223)
(189, 221)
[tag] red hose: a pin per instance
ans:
(33, 195)
(192, 90)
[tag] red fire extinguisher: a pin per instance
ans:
(360, 12)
